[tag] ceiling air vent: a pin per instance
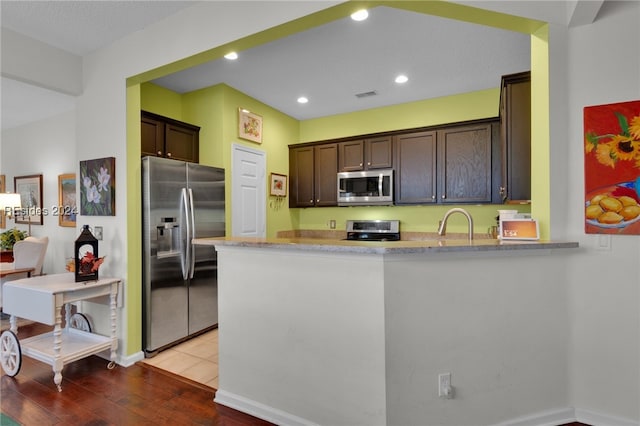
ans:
(366, 94)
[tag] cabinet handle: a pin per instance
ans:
(311, 201)
(168, 154)
(444, 196)
(368, 164)
(360, 164)
(433, 197)
(318, 200)
(159, 152)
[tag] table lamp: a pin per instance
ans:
(9, 202)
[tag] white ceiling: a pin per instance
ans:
(332, 63)
(328, 64)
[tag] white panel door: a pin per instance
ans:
(248, 192)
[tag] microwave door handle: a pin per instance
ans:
(380, 179)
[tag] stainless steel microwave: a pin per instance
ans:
(366, 188)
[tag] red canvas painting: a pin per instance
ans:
(612, 168)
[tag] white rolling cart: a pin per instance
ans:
(41, 299)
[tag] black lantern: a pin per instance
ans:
(86, 251)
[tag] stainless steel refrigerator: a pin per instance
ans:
(180, 201)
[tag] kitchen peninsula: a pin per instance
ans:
(338, 332)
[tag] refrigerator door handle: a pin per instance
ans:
(185, 258)
(192, 265)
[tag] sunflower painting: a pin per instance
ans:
(612, 168)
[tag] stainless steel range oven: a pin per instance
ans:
(373, 230)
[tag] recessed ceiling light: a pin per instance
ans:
(360, 15)
(302, 100)
(231, 55)
(402, 79)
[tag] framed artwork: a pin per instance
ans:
(67, 209)
(98, 187)
(278, 185)
(612, 168)
(3, 218)
(249, 125)
(30, 190)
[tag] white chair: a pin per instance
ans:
(28, 253)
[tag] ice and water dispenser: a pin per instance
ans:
(168, 237)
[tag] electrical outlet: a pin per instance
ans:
(445, 390)
(332, 224)
(97, 232)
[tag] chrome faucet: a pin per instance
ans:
(442, 229)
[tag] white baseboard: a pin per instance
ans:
(569, 415)
(546, 418)
(600, 419)
(259, 410)
(128, 361)
(123, 361)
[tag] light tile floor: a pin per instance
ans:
(195, 359)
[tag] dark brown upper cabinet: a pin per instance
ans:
(465, 163)
(313, 173)
(515, 134)
(365, 154)
(415, 173)
(169, 138)
(455, 164)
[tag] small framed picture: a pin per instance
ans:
(30, 190)
(519, 229)
(278, 185)
(67, 208)
(249, 125)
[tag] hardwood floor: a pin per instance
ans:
(93, 395)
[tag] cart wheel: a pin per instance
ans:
(10, 353)
(80, 322)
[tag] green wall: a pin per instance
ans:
(429, 112)
(215, 109)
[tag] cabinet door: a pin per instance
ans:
(515, 123)
(326, 175)
(379, 153)
(301, 177)
(415, 180)
(464, 173)
(181, 142)
(351, 156)
(152, 137)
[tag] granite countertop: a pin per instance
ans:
(424, 243)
